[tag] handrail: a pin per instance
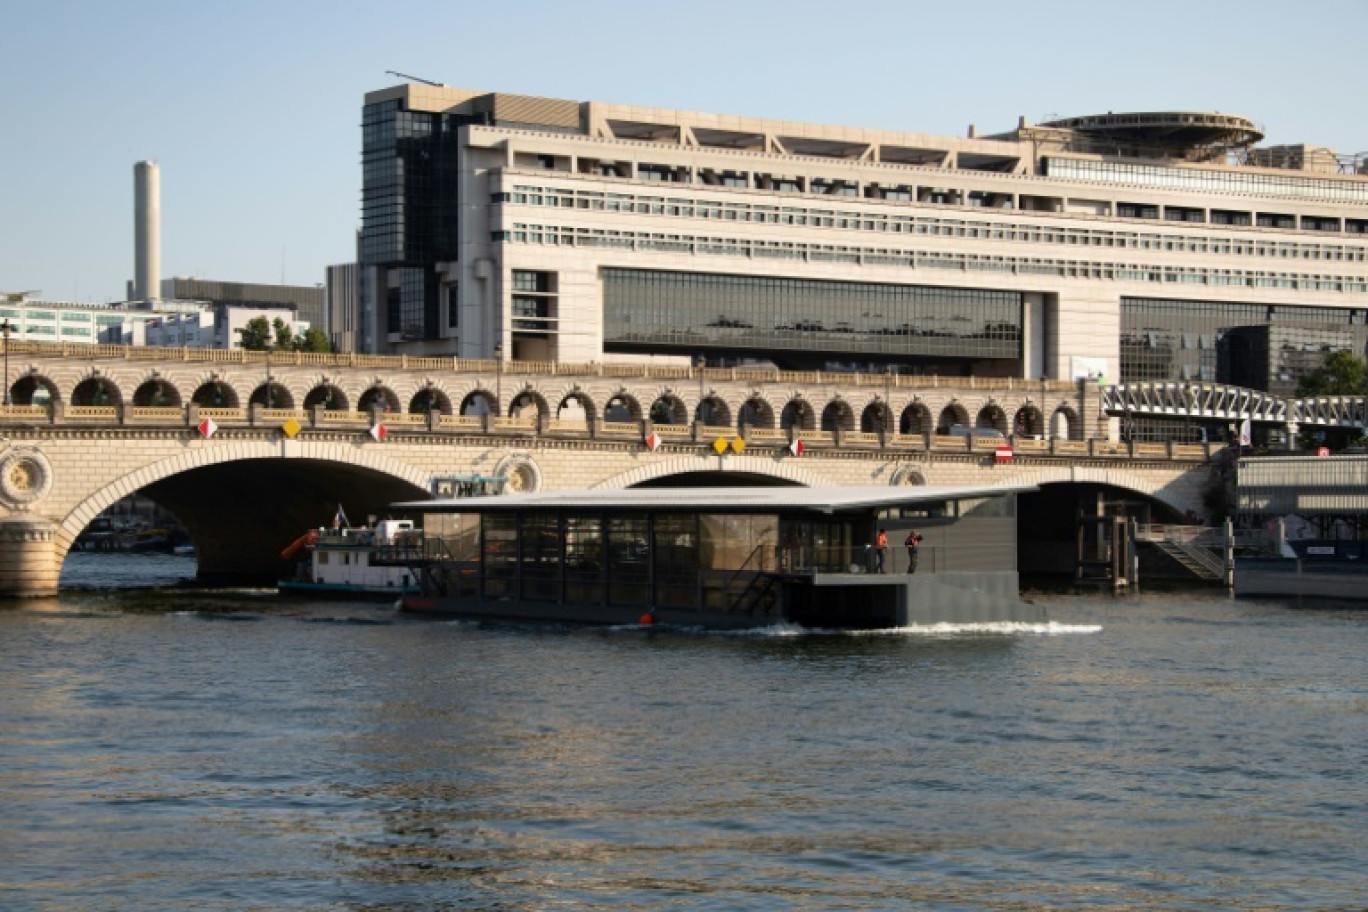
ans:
(759, 549)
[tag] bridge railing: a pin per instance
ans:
(532, 425)
(86, 351)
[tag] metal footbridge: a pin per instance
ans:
(1219, 402)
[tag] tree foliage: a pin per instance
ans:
(256, 335)
(1343, 374)
(259, 334)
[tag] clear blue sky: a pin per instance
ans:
(252, 108)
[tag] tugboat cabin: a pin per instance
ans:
(725, 557)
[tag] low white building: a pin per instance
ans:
(216, 326)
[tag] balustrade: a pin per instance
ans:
(978, 445)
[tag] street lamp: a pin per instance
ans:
(6, 329)
(700, 362)
(269, 381)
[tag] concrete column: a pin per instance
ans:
(1033, 336)
(28, 562)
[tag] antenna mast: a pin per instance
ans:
(415, 78)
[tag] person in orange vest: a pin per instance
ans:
(880, 550)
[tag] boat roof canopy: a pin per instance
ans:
(717, 500)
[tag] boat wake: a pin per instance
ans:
(990, 628)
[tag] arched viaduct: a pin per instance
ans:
(250, 468)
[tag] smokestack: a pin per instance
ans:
(146, 231)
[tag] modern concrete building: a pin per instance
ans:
(308, 300)
(175, 323)
(343, 305)
(34, 320)
(209, 326)
(1124, 246)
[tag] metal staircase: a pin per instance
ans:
(760, 597)
(1197, 548)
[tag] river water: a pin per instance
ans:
(224, 750)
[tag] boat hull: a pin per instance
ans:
(825, 601)
(298, 589)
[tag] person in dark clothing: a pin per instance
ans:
(913, 545)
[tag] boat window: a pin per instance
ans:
(628, 554)
(583, 559)
(676, 561)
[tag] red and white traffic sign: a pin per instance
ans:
(379, 432)
(653, 441)
(207, 428)
(796, 448)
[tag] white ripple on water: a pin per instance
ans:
(944, 629)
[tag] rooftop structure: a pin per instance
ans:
(1189, 135)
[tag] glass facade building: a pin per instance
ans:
(789, 319)
(1260, 346)
(409, 209)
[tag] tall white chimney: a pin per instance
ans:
(146, 231)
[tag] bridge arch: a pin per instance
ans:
(157, 392)
(576, 405)
(991, 416)
(785, 471)
(529, 400)
(215, 393)
(876, 417)
(1064, 424)
(271, 394)
(378, 396)
(669, 409)
(713, 412)
(329, 396)
(952, 414)
(622, 407)
(96, 390)
(916, 419)
(1028, 422)
(798, 413)
(1167, 494)
(478, 402)
(34, 389)
(838, 415)
(226, 517)
(755, 412)
(430, 398)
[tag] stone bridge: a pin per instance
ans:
(249, 449)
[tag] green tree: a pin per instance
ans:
(256, 335)
(313, 340)
(284, 337)
(1343, 374)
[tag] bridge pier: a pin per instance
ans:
(28, 561)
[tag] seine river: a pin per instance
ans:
(224, 750)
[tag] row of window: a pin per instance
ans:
(815, 217)
(646, 309)
(761, 249)
(1149, 176)
(1202, 180)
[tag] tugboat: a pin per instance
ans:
(347, 562)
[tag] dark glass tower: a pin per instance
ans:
(409, 211)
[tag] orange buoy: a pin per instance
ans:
(647, 619)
